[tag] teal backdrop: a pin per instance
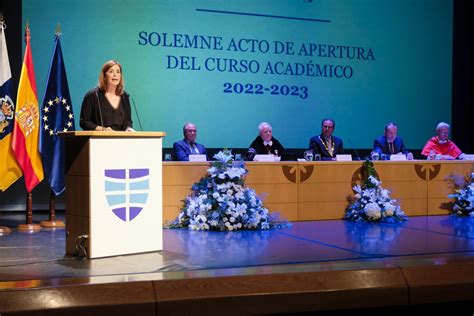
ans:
(229, 65)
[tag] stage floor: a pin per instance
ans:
(306, 246)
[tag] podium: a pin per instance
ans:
(113, 193)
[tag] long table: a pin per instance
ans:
(302, 191)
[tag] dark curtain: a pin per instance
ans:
(462, 100)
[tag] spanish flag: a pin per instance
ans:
(27, 124)
(9, 169)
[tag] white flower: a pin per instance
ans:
(389, 209)
(265, 225)
(221, 187)
(239, 194)
(235, 172)
(232, 219)
(216, 195)
(369, 193)
(199, 223)
(357, 188)
(223, 157)
(212, 170)
(372, 210)
(241, 208)
(374, 181)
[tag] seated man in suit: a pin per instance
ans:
(188, 146)
(264, 143)
(325, 144)
(390, 143)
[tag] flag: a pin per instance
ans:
(26, 126)
(9, 169)
(57, 116)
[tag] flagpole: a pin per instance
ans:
(29, 226)
(52, 222)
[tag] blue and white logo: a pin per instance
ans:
(127, 191)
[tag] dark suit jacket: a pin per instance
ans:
(381, 146)
(318, 147)
(260, 149)
(182, 150)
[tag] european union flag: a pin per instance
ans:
(56, 116)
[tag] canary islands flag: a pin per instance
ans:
(57, 117)
(9, 169)
(26, 127)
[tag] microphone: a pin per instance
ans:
(136, 112)
(100, 111)
(251, 153)
(353, 148)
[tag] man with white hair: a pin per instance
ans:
(441, 145)
(265, 143)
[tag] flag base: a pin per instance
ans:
(29, 228)
(53, 224)
(4, 230)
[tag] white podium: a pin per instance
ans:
(113, 193)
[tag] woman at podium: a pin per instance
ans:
(107, 106)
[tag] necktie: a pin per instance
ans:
(269, 148)
(193, 148)
(391, 147)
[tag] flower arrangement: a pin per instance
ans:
(373, 203)
(464, 195)
(220, 201)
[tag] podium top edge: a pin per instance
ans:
(118, 134)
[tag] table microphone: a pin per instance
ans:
(136, 112)
(353, 148)
(100, 111)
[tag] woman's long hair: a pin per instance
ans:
(103, 80)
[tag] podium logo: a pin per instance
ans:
(126, 191)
